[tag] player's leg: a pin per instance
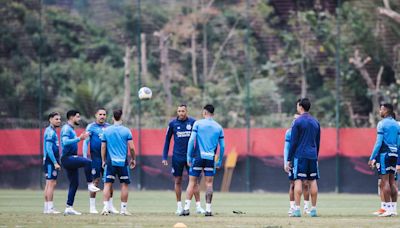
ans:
(73, 178)
(46, 173)
(196, 193)
(123, 174)
(306, 196)
(381, 210)
(108, 178)
(313, 176)
(177, 171)
(96, 175)
(209, 193)
(194, 173)
(386, 188)
(291, 196)
(76, 162)
(299, 174)
(111, 203)
(51, 185)
(394, 192)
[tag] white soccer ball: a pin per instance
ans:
(145, 93)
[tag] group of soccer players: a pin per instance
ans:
(195, 146)
(108, 151)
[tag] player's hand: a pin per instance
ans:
(57, 166)
(84, 135)
(189, 164)
(132, 163)
(103, 164)
(371, 163)
(398, 168)
(288, 166)
(165, 162)
(218, 165)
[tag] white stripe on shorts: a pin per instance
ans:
(208, 169)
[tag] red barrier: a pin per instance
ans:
(354, 142)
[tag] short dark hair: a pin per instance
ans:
(390, 109)
(53, 114)
(71, 113)
(117, 114)
(101, 108)
(210, 108)
(182, 105)
(305, 103)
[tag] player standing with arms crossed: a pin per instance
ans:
(180, 128)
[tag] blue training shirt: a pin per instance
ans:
(387, 140)
(208, 134)
(117, 136)
(96, 134)
(69, 141)
(286, 149)
(305, 138)
(51, 145)
(181, 130)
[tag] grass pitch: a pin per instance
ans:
(23, 208)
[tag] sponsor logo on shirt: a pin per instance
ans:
(181, 134)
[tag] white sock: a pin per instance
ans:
(106, 204)
(291, 204)
(92, 202)
(296, 207)
(394, 206)
(187, 204)
(179, 205)
(306, 204)
(386, 206)
(124, 205)
(208, 207)
(382, 205)
(111, 202)
(313, 208)
(46, 207)
(198, 204)
(50, 205)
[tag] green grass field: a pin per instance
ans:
(23, 208)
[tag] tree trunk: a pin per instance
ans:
(193, 53)
(126, 108)
(165, 71)
(145, 74)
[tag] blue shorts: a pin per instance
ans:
(110, 173)
(49, 171)
(199, 165)
(97, 168)
(305, 169)
(386, 164)
(178, 165)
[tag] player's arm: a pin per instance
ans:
(167, 142)
(103, 153)
(86, 143)
(221, 142)
(286, 150)
(50, 153)
(377, 146)
(190, 147)
(66, 140)
(318, 140)
(293, 142)
(133, 154)
(398, 151)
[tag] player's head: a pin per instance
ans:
(208, 110)
(55, 119)
(117, 115)
(101, 115)
(182, 112)
(386, 110)
(295, 116)
(74, 117)
(303, 105)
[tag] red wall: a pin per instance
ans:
(354, 142)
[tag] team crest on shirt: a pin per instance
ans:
(54, 173)
(188, 127)
(93, 171)
(178, 128)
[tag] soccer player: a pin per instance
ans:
(51, 161)
(96, 130)
(72, 162)
(180, 128)
(203, 143)
(386, 152)
(115, 143)
(306, 193)
(304, 149)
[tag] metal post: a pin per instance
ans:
(40, 105)
(247, 100)
(337, 188)
(139, 173)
